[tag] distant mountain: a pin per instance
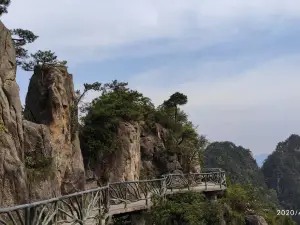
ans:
(240, 167)
(237, 161)
(282, 173)
(261, 158)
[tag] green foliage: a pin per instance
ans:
(192, 208)
(42, 58)
(183, 138)
(20, 38)
(189, 208)
(3, 127)
(116, 104)
(243, 199)
(34, 162)
(176, 99)
(38, 167)
(3, 6)
(96, 86)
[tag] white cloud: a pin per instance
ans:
(103, 24)
(256, 108)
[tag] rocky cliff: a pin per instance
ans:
(139, 154)
(12, 171)
(282, 173)
(40, 157)
(125, 163)
(42, 182)
(155, 157)
(51, 101)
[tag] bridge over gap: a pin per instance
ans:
(94, 206)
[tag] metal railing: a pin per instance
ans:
(94, 204)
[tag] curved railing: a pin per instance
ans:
(96, 204)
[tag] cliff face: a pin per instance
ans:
(42, 182)
(126, 160)
(140, 154)
(50, 101)
(282, 173)
(12, 174)
(155, 158)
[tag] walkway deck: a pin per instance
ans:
(91, 206)
(142, 204)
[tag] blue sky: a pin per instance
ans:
(238, 61)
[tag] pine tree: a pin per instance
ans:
(3, 6)
(20, 37)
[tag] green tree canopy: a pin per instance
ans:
(115, 104)
(193, 209)
(20, 38)
(175, 100)
(42, 58)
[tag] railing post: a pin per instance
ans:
(126, 192)
(163, 186)
(107, 198)
(220, 179)
(205, 177)
(27, 215)
(146, 192)
(56, 212)
(100, 205)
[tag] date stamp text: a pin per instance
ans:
(287, 212)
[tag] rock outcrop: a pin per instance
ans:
(51, 101)
(127, 158)
(139, 154)
(42, 182)
(155, 158)
(12, 172)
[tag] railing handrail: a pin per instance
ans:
(51, 200)
(136, 181)
(43, 202)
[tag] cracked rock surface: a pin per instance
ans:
(12, 173)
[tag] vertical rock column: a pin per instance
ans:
(126, 161)
(12, 176)
(50, 101)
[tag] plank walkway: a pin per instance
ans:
(141, 204)
(92, 206)
(144, 204)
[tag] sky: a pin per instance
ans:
(237, 61)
